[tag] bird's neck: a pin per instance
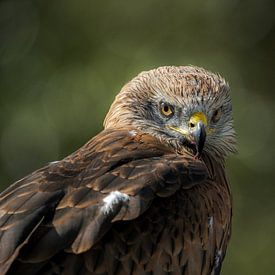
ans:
(213, 163)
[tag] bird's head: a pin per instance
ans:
(185, 107)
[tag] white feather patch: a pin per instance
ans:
(114, 198)
(132, 133)
(210, 222)
(54, 162)
(218, 259)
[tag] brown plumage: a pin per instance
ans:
(147, 195)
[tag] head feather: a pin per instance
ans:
(192, 88)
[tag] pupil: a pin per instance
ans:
(166, 109)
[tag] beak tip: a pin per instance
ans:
(199, 137)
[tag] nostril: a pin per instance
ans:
(191, 125)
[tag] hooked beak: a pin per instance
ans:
(199, 136)
(195, 134)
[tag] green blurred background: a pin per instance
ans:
(62, 62)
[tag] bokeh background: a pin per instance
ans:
(62, 62)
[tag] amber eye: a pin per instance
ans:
(166, 109)
(217, 115)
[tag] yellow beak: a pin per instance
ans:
(198, 117)
(196, 132)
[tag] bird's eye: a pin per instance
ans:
(166, 109)
(217, 115)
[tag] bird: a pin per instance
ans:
(148, 194)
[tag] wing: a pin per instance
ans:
(69, 205)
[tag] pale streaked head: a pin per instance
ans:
(185, 107)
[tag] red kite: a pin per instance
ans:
(147, 195)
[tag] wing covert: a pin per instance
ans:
(71, 204)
